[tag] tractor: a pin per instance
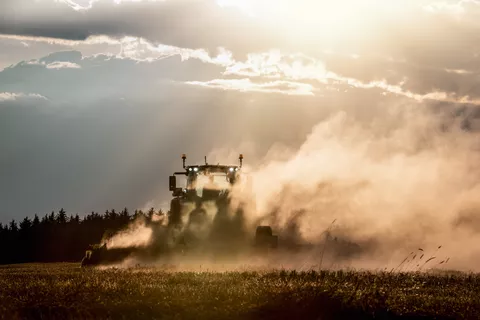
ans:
(210, 185)
(201, 218)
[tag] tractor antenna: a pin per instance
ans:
(241, 159)
(206, 161)
(184, 157)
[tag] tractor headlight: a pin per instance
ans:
(195, 169)
(189, 169)
(231, 169)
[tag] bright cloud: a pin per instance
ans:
(246, 85)
(274, 64)
(451, 7)
(10, 96)
(62, 65)
(290, 68)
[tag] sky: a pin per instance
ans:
(99, 98)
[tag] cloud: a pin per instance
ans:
(246, 85)
(95, 72)
(4, 96)
(62, 65)
(184, 23)
(442, 68)
(284, 73)
(300, 67)
(459, 7)
(10, 96)
(205, 24)
(13, 49)
(275, 64)
(80, 5)
(57, 60)
(133, 48)
(92, 40)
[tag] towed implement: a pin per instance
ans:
(202, 219)
(100, 254)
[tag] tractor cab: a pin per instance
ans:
(205, 182)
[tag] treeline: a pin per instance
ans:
(58, 237)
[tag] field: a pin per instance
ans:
(59, 291)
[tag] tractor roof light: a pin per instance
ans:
(184, 157)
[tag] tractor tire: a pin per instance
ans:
(274, 242)
(175, 215)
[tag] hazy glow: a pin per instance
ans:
(320, 17)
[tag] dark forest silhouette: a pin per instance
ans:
(59, 237)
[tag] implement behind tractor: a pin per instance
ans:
(201, 217)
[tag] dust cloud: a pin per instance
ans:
(138, 234)
(389, 193)
(408, 181)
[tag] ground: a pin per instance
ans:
(59, 291)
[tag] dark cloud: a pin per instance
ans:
(419, 36)
(184, 23)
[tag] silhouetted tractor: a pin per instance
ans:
(209, 183)
(100, 254)
(201, 216)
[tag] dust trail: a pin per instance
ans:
(406, 179)
(138, 234)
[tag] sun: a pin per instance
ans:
(321, 18)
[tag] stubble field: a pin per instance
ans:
(65, 291)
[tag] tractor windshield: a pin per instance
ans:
(212, 182)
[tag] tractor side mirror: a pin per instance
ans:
(172, 183)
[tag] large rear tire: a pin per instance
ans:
(175, 214)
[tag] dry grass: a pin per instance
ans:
(59, 291)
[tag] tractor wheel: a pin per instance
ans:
(175, 215)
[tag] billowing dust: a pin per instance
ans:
(389, 193)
